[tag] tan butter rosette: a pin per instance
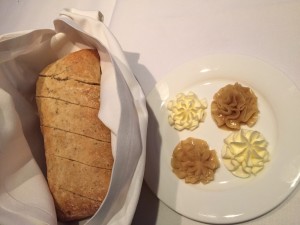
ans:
(193, 161)
(233, 106)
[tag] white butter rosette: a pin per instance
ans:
(186, 111)
(245, 152)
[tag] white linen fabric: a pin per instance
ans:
(19, 174)
(24, 195)
(22, 15)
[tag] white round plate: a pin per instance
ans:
(227, 199)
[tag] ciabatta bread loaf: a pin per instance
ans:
(77, 144)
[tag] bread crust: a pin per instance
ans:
(77, 144)
(82, 65)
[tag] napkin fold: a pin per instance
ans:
(22, 184)
(24, 194)
(128, 171)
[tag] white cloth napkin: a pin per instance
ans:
(35, 14)
(23, 190)
(24, 195)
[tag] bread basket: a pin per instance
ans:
(24, 195)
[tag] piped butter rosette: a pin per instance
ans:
(186, 111)
(193, 161)
(233, 106)
(245, 153)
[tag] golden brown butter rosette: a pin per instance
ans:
(233, 106)
(194, 162)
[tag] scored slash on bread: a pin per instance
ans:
(82, 66)
(77, 144)
(79, 93)
(68, 148)
(72, 118)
